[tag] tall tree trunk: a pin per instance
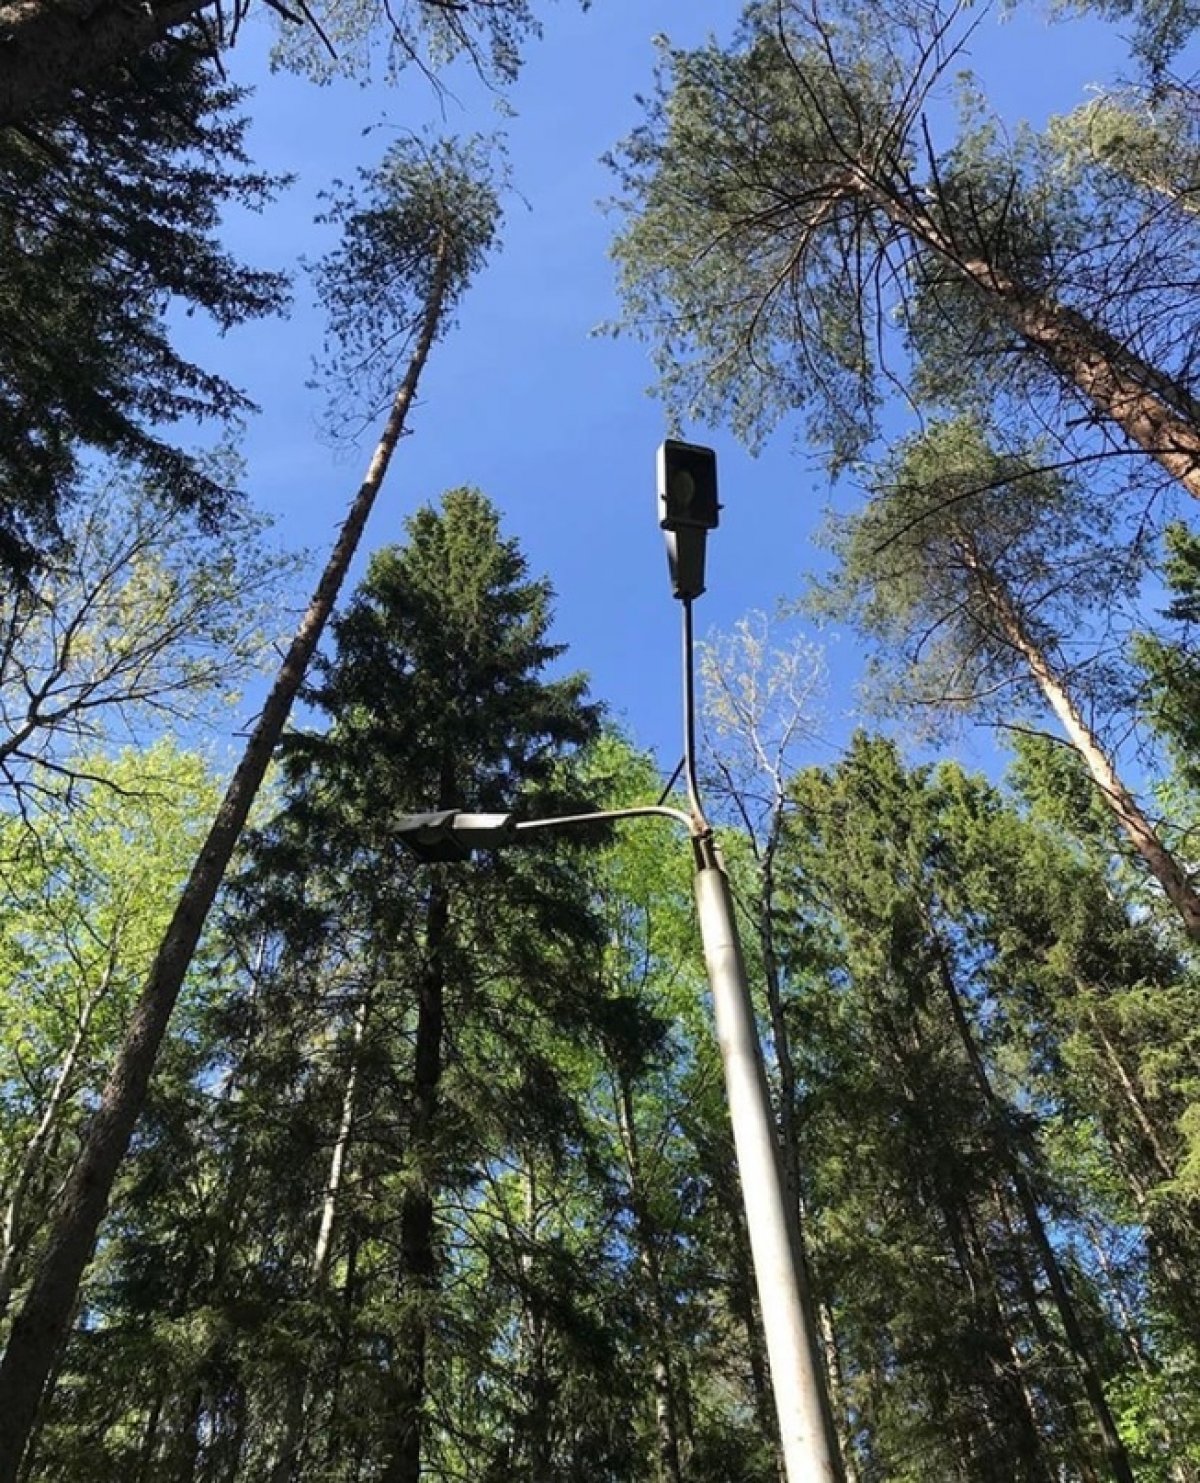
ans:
(42, 1324)
(1064, 1302)
(13, 1235)
(416, 1209)
(287, 1457)
(670, 1452)
(1153, 411)
(788, 1132)
(1002, 1387)
(534, 1427)
(1141, 834)
(1009, 1363)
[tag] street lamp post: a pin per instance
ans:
(688, 510)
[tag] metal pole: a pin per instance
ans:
(810, 1451)
(699, 822)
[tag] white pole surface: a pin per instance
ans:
(797, 1379)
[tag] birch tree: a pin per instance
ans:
(82, 915)
(140, 621)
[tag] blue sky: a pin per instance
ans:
(523, 400)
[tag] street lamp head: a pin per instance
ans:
(687, 487)
(688, 509)
(449, 835)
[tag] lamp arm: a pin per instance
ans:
(605, 816)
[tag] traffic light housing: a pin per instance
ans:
(688, 509)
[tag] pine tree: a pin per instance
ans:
(797, 242)
(411, 244)
(978, 570)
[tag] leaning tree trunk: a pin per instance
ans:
(1159, 860)
(1151, 409)
(1164, 1161)
(41, 1327)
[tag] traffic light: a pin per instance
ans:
(687, 487)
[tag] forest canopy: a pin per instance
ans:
(321, 1160)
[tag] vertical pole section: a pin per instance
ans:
(810, 1452)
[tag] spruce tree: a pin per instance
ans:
(414, 1018)
(990, 1335)
(96, 247)
(411, 242)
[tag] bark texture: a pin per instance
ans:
(1154, 412)
(1162, 864)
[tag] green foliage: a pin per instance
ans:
(350, 37)
(738, 168)
(1053, 784)
(441, 1010)
(1161, 28)
(440, 626)
(436, 1143)
(1171, 663)
(428, 214)
(911, 881)
(798, 242)
(958, 539)
(85, 906)
(94, 249)
(1146, 140)
(140, 621)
